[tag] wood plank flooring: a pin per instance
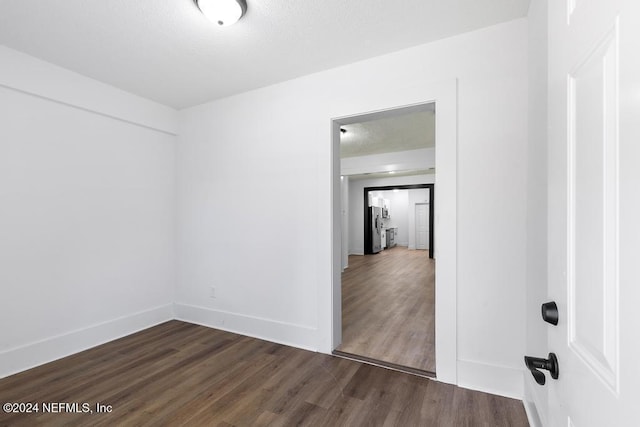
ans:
(182, 374)
(388, 308)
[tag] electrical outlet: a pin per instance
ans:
(212, 292)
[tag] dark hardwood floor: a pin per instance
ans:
(183, 374)
(388, 308)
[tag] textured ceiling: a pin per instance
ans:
(167, 51)
(401, 133)
(410, 131)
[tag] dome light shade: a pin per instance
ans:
(222, 12)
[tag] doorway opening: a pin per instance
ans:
(427, 95)
(369, 226)
(388, 300)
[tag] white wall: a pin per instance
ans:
(248, 151)
(87, 202)
(423, 158)
(30, 75)
(536, 266)
(398, 216)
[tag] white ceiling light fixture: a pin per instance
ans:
(222, 12)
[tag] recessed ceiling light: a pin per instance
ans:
(222, 12)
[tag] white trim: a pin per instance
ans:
(603, 361)
(446, 229)
(445, 95)
(289, 334)
(532, 413)
(528, 400)
(38, 353)
(501, 380)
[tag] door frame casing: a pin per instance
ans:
(367, 224)
(444, 94)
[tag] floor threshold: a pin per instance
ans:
(383, 364)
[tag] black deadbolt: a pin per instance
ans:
(550, 312)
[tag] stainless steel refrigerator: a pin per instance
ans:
(375, 219)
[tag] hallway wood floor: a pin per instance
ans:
(388, 308)
(183, 374)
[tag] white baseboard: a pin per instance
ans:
(529, 401)
(38, 353)
(265, 329)
(500, 380)
(532, 413)
(356, 251)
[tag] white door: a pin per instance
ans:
(422, 226)
(594, 211)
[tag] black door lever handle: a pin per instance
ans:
(550, 364)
